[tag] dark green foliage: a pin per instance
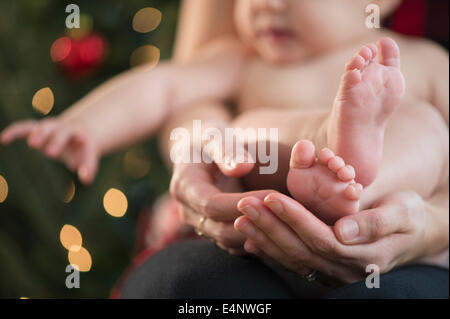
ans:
(32, 260)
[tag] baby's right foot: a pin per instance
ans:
(325, 185)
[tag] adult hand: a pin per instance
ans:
(387, 235)
(199, 190)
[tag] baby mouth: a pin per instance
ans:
(277, 35)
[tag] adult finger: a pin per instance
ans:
(232, 251)
(224, 206)
(192, 185)
(266, 245)
(391, 215)
(313, 232)
(276, 230)
(223, 234)
(260, 242)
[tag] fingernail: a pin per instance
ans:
(248, 229)
(349, 230)
(251, 212)
(275, 206)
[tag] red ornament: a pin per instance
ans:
(79, 57)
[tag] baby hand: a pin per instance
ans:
(61, 139)
(226, 159)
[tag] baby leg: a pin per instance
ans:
(415, 157)
(367, 120)
(415, 153)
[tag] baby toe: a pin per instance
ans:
(353, 191)
(357, 62)
(303, 154)
(351, 78)
(336, 163)
(325, 155)
(366, 53)
(346, 173)
(390, 53)
(374, 49)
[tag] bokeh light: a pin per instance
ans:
(86, 25)
(3, 189)
(147, 54)
(43, 101)
(60, 49)
(71, 238)
(80, 259)
(92, 49)
(70, 192)
(115, 202)
(136, 164)
(146, 20)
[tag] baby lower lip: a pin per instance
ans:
(277, 35)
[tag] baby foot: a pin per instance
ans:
(324, 185)
(369, 92)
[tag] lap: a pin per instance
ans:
(415, 282)
(199, 269)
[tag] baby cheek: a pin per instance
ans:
(243, 20)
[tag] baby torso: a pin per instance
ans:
(312, 84)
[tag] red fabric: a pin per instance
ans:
(410, 18)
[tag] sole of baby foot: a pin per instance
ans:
(325, 185)
(371, 89)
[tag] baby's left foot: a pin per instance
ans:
(324, 185)
(370, 90)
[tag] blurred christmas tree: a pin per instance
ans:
(38, 196)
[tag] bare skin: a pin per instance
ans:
(368, 94)
(246, 75)
(371, 227)
(323, 184)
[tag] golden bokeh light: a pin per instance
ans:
(43, 100)
(3, 189)
(136, 164)
(70, 192)
(146, 20)
(71, 238)
(115, 202)
(80, 259)
(147, 54)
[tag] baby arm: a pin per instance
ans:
(128, 108)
